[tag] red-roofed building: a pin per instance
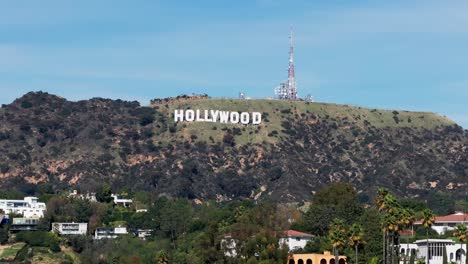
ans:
(294, 239)
(447, 222)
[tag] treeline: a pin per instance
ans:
(186, 231)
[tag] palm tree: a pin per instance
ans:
(337, 235)
(382, 206)
(427, 221)
(461, 233)
(356, 234)
(392, 210)
(408, 221)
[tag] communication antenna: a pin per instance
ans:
(241, 95)
(292, 90)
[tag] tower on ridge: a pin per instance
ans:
(292, 91)
(287, 90)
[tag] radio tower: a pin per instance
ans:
(292, 91)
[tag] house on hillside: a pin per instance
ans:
(28, 207)
(435, 251)
(447, 222)
(118, 200)
(70, 228)
(24, 224)
(88, 196)
(294, 240)
(109, 233)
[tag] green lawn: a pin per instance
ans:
(10, 252)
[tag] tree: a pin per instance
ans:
(390, 210)
(408, 219)
(104, 193)
(461, 233)
(381, 206)
(427, 221)
(3, 235)
(338, 200)
(356, 233)
(337, 235)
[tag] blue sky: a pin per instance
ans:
(382, 54)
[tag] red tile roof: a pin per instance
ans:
(407, 232)
(294, 233)
(453, 218)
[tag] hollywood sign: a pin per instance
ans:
(217, 116)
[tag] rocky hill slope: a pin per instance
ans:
(298, 148)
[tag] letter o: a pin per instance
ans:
(189, 115)
(245, 118)
(234, 117)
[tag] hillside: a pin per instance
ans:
(299, 147)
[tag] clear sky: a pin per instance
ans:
(397, 54)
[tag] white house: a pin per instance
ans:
(144, 233)
(88, 196)
(70, 228)
(294, 240)
(24, 224)
(290, 238)
(28, 207)
(447, 222)
(455, 252)
(115, 232)
(228, 245)
(121, 201)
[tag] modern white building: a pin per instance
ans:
(70, 228)
(24, 224)
(447, 222)
(103, 232)
(28, 207)
(295, 240)
(121, 201)
(455, 252)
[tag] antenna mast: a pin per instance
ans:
(292, 90)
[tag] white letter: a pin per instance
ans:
(199, 119)
(245, 118)
(234, 117)
(223, 116)
(214, 115)
(178, 115)
(207, 119)
(256, 118)
(189, 115)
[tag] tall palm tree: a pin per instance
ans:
(356, 234)
(386, 204)
(379, 199)
(337, 235)
(408, 221)
(461, 233)
(427, 221)
(392, 210)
